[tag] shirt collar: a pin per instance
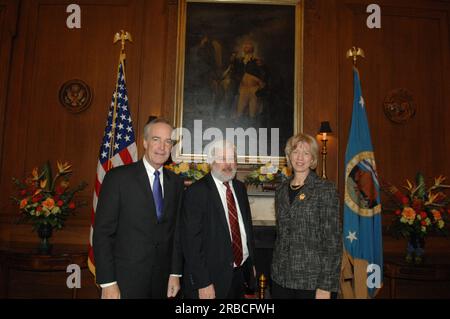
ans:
(220, 183)
(150, 169)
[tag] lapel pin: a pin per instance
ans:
(301, 196)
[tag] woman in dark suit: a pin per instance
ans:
(308, 249)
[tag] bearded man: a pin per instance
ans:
(217, 234)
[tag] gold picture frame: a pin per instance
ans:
(218, 84)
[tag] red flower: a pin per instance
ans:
(423, 223)
(398, 212)
(417, 205)
(59, 190)
(423, 215)
(399, 195)
(72, 205)
(39, 208)
(405, 200)
(37, 198)
(59, 203)
(23, 192)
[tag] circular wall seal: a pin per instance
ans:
(75, 96)
(399, 106)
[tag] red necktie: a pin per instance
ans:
(234, 226)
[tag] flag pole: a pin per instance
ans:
(354, 53)
(125, 148)
(122, 37)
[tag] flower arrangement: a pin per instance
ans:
(189, 171)
(268, 173)
(421, 210)
(47, 200)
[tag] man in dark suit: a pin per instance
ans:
(216, 229)
(136, 235)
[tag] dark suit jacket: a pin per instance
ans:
(206, 238)
(308, 248)
(130, 245)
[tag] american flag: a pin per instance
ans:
(118, 145)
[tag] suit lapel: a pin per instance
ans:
(241, 203)
(169, 193)
(244, 212)
(217, 202)
(144, 184)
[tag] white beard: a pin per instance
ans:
(224, 178)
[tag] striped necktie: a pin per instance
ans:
(234, 226)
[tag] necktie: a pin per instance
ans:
(157, 196)
(234, 226)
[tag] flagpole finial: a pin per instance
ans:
(123, 36)
(354, 53)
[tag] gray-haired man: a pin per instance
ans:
(217, 231)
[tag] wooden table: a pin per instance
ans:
(25, 257)
(436, 268)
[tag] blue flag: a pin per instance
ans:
(362, 237)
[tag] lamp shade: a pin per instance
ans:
(325, 127)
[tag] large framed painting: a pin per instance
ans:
(239, 77)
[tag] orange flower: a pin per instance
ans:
(436, 214)
(409, 213)
(23, 203)
(49, 203)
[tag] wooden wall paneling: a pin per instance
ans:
(154, 56)
(320, 74)
(8, 21)
(15, 115)
(53, 54)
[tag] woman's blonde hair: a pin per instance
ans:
(292, 144)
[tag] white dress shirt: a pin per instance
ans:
(223, 196)
(151, 175)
